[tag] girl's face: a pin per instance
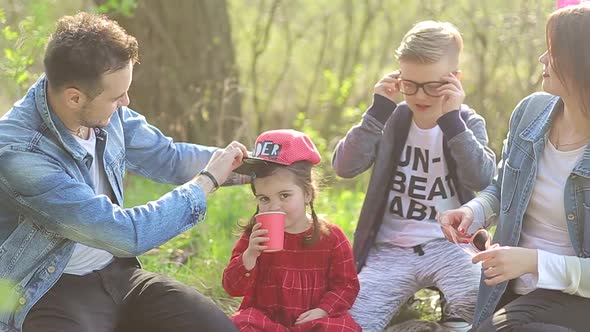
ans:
(551, 83)
(280, 192)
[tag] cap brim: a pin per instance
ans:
(252, 165)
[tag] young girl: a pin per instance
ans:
(312, 282)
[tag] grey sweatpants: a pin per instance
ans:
(393, 274)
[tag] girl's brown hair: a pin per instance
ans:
(307, 180)
(568, 46)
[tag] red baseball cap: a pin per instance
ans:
(281, 146)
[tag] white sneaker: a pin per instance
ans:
(456, 326)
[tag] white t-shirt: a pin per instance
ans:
(544, 225)
(421, 186)
(87, 259)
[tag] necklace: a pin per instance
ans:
(558, 145)
(80, 132)
(562, 145)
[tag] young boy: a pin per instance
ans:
(429, 154)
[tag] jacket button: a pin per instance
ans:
(51, 269)
(571, 216)
(247, 274)
(22, 301)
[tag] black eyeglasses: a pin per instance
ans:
(409, 87)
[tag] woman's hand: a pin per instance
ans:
(459, 219)
(254, 247)
(500, 264)
(311, 315)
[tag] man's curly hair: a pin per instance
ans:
(85, 46)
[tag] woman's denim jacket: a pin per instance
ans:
(506, 199)
(47, 200)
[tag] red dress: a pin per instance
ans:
(287, 283)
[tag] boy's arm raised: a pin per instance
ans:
(468, 144)
(355, 153)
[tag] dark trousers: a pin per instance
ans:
(539, 311)
(122, 297)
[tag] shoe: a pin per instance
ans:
(456, 325)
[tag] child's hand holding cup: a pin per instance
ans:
(268, 235)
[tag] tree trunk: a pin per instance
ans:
(187, 80)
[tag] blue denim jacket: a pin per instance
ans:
(507, 198)
(47, 200)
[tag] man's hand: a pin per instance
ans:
(388, 86)
(224, 161)
(452, 93)
(311, 315)
(506, 263)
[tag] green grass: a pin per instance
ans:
(198, 256)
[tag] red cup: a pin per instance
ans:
(274, 222)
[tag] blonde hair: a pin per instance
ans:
(429, 41)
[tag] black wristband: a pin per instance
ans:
(211, 177)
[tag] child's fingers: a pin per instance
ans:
(452, 79)
(260, 239)
(388, 79)
(258, 233)
(303, 315)
(394, 74)
(449, 89)
(386, 85)
(302, 318)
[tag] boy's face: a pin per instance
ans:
(425, 104)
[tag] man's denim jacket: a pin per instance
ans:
(506, 199)
(47, 200)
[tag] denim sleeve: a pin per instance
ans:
(151, 154)
(356, 152)
(38, 186)
(490, 197)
